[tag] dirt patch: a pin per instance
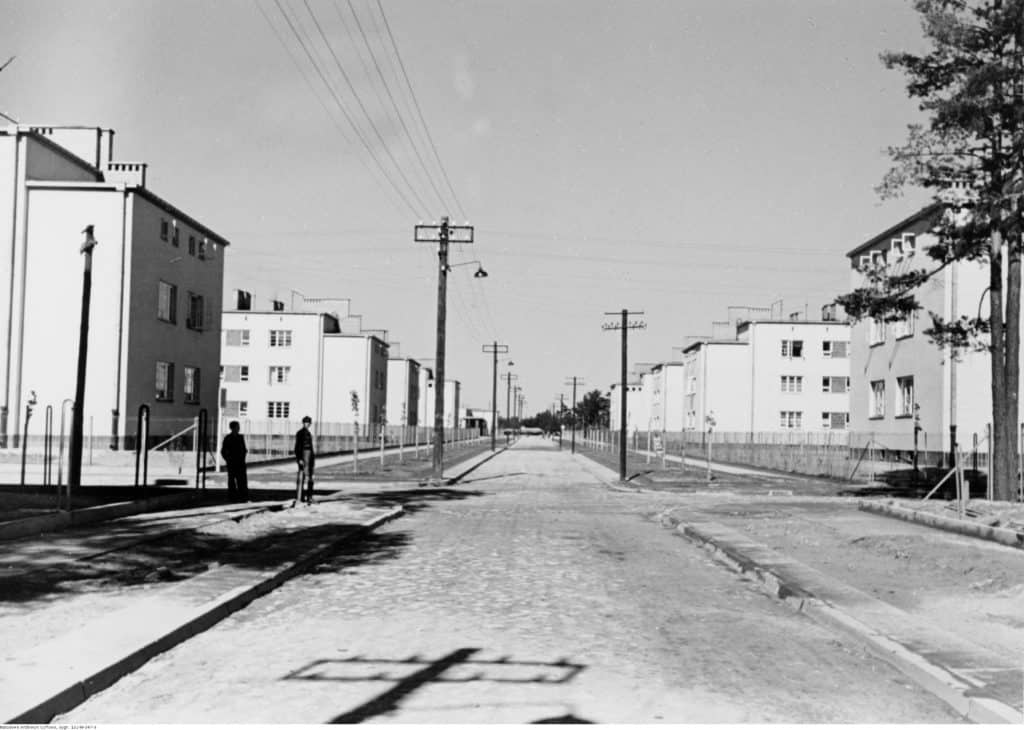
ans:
(967, 586)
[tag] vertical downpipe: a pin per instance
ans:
(16, 189)
(115, 414)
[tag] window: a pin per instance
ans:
(278, 409)
(905, 405)
(792, 383)
(277, 305)
(835, 384)
(904, 327)
(279, 374)
(790, 419)
(835, 420)
(792, 348)
(164, 229)
(191, 378)
(236, 373)
(834, 348)
(191, 245)
(194, 320)
(280, 338)
(164, 381)
(876, 332)
(877, 405)
(175, 241)
(167, 302)
(202, 250)
(236, 338)
(234, 408)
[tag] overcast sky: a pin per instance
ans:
(672, 157)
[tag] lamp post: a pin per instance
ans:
(78, 409)
(442, 235)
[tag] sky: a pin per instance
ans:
(672, 158)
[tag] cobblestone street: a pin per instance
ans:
(530, 591)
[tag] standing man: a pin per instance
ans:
(305, 456)
(233, 451)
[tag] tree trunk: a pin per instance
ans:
(1001, 456)
(1006, 484)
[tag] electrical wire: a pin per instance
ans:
(341, 106)
(362, 106)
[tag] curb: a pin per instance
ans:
(458, 477)
(1002, 535)
(201, 619)
(952, 690)
(39, 524)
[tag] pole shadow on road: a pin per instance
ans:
(496, 476)
(412, 673)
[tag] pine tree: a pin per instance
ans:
(971, 156)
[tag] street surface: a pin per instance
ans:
(531, 591)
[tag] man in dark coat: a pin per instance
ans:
(305, 455)
(233, 450)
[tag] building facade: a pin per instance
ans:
(403, 396)
(666, 382)
(799, 374)
(157, 280)
(716, 385)
(900, 380)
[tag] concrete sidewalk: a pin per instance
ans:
(80, 609)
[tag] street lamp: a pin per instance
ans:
(78, 410)
(478, 274)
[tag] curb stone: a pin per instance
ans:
(93, 680)
(963, 697)
(1002, 535)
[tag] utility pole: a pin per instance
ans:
(625, 325)
(494, 349)
(441, 235)
(575, 381)
(509, 378)
(78, 410)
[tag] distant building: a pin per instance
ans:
(157, 279)
(403, 395)
(717, 383)
(897, 372)
(666, 382)
(452, 403)
(777, 375)
(637, 406)
(283, 365)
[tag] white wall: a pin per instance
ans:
(768, 365)
(303, 357)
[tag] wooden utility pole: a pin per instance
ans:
(575, 381)
(494, 349)
(441, 235)
(625, 325)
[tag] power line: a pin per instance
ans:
(362, 106)
(394, 105)
(341, 106)
(319, 97)
(419, 111)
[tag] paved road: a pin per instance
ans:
(533, 593)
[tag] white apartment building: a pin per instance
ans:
(666, 383)
(403, 392)
(426, 403)
(777, 375)
(452, 403)
(637, 406)
(157, 279)
(716, 375)
(897, 371)
(284, 365)
(799, 374)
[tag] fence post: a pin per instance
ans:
(989, 487)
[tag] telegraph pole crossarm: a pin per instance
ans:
(495, 349)
(442, 235)
(625, 325)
